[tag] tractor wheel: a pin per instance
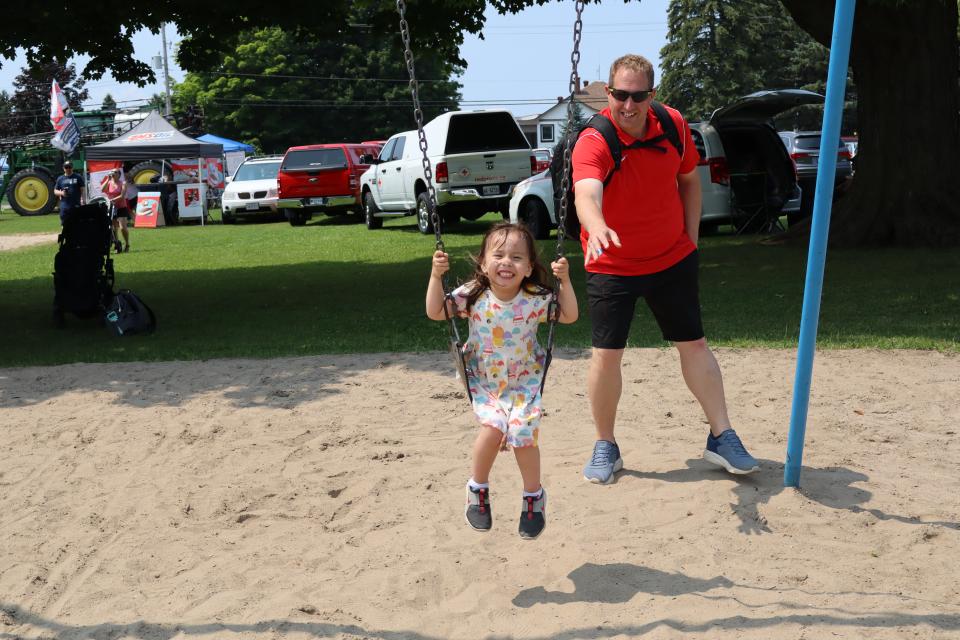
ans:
(31, 193)
(143, 172)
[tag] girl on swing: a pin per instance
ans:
(505, 301)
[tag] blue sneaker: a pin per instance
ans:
(605, 462)
(728, 452)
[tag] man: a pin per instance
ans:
(639, 237)
(70, 189)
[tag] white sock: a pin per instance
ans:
(476, 486)
(536, 494)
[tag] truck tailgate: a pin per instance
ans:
(476, 170)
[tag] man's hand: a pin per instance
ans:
(601, 237)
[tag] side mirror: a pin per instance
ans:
(228, 179)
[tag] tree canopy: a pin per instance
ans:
(28, 108)
(278, 88)
(720, 50)
(209, 28)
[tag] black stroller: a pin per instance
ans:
(83, 270)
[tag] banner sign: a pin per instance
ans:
(190, 200)
(185, 170)
(149, 213)
(96, 172)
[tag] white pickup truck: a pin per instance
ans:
(477, 158)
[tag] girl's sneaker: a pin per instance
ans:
(533, 518)
(478, 512)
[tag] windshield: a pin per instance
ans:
(315, 159)
(257, 171)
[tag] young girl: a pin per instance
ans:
(505, 301)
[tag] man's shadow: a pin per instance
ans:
(830, 486)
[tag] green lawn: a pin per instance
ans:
(269, 289)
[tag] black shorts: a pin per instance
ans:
(672, 295)
(121, 213)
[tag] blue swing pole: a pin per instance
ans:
(817, 254)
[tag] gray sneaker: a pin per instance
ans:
(533, 518)
(477, 512)
(604, 462)
(727, 451)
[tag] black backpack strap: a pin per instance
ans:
(606, 129)
(668, 125)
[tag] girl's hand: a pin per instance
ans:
(441, 264)
(561, 269)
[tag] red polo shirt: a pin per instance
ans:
(641, 202)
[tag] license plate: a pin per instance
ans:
(318, 201)
(491, 190)
(252, 206)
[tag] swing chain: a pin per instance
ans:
(571, 111)
(418, 115)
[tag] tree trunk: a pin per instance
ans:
(905, 64)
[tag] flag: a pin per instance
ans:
(59, 107)
(68, 137)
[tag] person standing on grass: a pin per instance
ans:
(70, 188)
(506, 300)
(639, 236)
(113, 186)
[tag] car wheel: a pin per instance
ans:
(297, 218)
(226, 218)
(424, 223)
(369, 211)
(534, 215)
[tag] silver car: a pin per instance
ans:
(804, 148)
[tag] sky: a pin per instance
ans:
(522, 64)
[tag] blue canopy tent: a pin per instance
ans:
(228, 145)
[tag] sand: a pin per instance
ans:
(322, 497)
(21, 240)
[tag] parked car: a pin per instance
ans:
(477, 157)
(746, 176)
(804, 148)
(322, 178)
(543, 156)
(252, 190)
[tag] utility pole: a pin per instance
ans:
(166, 69)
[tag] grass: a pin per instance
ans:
(269, 289)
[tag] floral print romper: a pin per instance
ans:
(505, 362)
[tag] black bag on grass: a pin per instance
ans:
(128, 315)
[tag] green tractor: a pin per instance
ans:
(33, 164)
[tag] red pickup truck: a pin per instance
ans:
(321, 178)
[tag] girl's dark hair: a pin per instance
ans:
(535, 283)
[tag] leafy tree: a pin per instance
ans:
(720, 50)
(6, 113)
(280, 88)
(210, 28)
(904, 59)
(109, 104)
(30, 102)
(579, 119)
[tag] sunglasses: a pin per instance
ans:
(621, 96)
